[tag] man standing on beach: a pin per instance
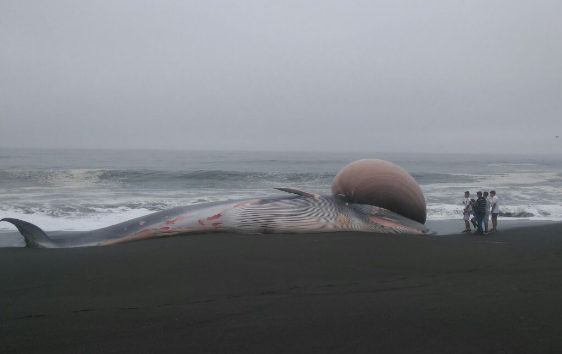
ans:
(467, 210)
(495, 211)
(480, 209)
(487, 215)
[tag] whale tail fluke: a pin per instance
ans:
(33, 235)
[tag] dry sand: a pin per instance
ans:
(338, 292)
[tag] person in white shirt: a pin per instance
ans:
(495, 211)
(467, 211)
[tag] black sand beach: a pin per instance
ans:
(225, 293)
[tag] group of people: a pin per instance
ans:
(480, 210)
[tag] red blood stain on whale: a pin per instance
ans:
(170, 222)
(215, 224)
(200, 222)
(244, 203)
(214, 217)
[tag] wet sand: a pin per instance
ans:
(337, 292)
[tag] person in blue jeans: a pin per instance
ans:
(480, 210)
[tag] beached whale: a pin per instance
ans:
(368, 195)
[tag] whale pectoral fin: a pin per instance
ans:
(298, 192)
(33, 235)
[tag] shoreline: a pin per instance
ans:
(453, 227)
(338, 292)
(449, 227)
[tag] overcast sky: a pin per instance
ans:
(423, 76)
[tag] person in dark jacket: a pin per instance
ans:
(487, 215)
(480, 210)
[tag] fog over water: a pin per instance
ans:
(394, 76)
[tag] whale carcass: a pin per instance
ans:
(367, 195)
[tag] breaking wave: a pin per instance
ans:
(535, 212)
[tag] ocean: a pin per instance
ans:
(77, 190)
